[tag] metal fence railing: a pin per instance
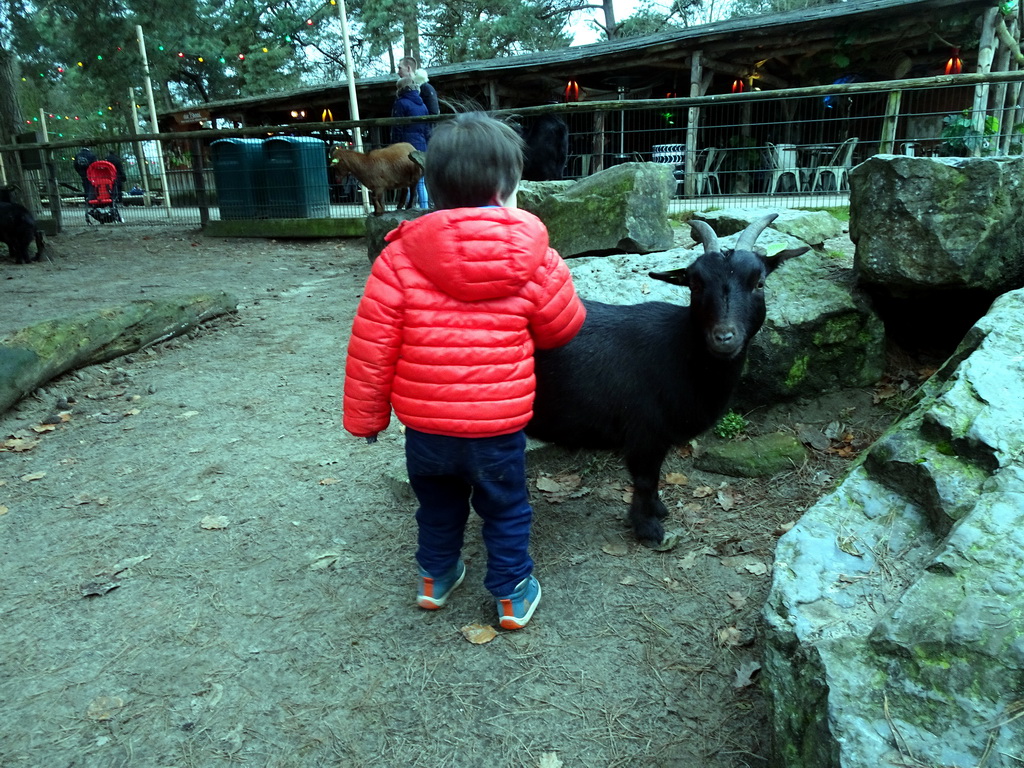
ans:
(784, 148)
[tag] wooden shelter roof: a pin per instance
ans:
(872, 39)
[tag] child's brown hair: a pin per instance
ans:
(473, 160)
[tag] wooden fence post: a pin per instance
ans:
(692, 121)
(887, 142)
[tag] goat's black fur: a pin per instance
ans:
(547, 148)
(642, 378)
(18, 230)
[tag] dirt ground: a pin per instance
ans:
(200, 568)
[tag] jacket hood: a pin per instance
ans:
(420, 76)
(413, 96)
(474, 254)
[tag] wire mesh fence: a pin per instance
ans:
(780, 148)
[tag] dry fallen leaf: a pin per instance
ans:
(3, 510)
(730, 636)
(628, 581)
(758, 569)
(736, 599)
(785, 528)
(668, 542)
(33, 476)
(848, 545)
(549, 760)
(478, 634)
(726, 498)
(703, 492)
(324, 561)
(676, 478)
(104, 707)
(745, 674)
(130, 562)
(615, 548)
(19, 445)
(548, 485)
(329, 481)
(98, 588)
(213, 522)
(687, 561)
(44, 428)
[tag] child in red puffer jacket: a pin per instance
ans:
(445, 332)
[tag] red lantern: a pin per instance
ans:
(955, 65)
(738, 86)
(572, 91)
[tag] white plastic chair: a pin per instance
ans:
(706, 178)
(782, 165)
(837, 169)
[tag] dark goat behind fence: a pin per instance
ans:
(18, 230)
(547, 147)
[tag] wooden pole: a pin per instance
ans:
(153, 121)
(353, 104)
(692, 122)
(887, 143)
(140, 153)
(986, 53)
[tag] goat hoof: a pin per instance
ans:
(649, 531)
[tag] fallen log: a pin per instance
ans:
(34, 355)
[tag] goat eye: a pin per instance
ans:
(760, 284)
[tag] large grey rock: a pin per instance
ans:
(812, 227)
(924, 223)
(622, 208)
(895, 621)
(819, 335)
(377, 228)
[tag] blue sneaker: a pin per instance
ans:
(434, 591)
(516, 609)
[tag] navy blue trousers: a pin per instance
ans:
(450, 474)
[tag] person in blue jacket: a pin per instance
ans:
(408, 103)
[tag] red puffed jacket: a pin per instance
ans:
(445, 332)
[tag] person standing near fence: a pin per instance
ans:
(409, 104)
(83, 159)
(115, 160)
(409, 67)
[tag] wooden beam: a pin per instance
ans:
(986, 53)
(887, 144)
(692, 121)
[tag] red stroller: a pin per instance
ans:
(102, 200)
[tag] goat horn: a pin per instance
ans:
(745, 242)
(705, 234)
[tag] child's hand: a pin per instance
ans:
(371, 440)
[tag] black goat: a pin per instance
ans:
(547, 148)
(644, 377)
(18, 230)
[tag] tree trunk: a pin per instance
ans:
(11, 122)
(411, 29)
(611, 28)
(34, 355)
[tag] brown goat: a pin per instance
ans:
(379, 170)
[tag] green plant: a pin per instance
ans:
(731, 425)
(961, 139)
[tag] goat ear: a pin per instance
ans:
(773, 262)
(675, 276)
